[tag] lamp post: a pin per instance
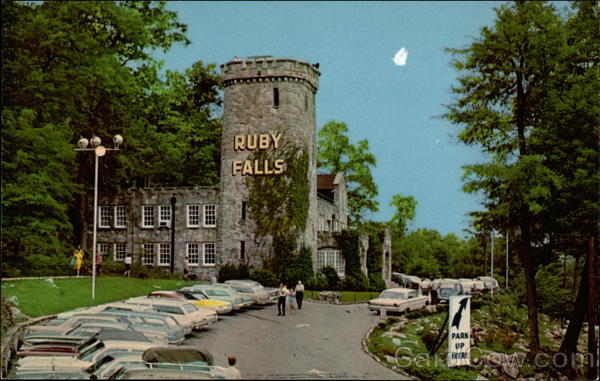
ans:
(99, 151)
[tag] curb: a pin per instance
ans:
(383, 363)
(10, 342)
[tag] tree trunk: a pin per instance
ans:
(569, 343)
(525, 253)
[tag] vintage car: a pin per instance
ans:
(184, 311)
(411, 281)
(218, 293)
(398, 300)
(153, 321)
(199, 300)
(51, 367)
(272, 291)
(254, 293)
(172, 363)
(490, 283)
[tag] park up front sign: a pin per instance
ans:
(459, 330)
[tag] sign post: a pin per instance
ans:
(459, 330)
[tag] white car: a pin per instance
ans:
(184, 311)
(491, 284)
(398, 300)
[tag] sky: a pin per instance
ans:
(384, 72)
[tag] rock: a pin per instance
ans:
(50, 281)
(540, 377)
(13, 300)
(390, 359)
(480, 378)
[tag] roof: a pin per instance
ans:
(399, 289)
(179, 354)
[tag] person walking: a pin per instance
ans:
(282, 292)
(77, 259)
(299, 294)
(231, 372)
(292, 299)
(128, 261)
(99, 264)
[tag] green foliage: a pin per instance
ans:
(376, 282)
(333, 280)
(428, 337)
(279, 204)
(336, 154)
(230, 271)
(318, 282)
(356, 282)
(405, 212)
(265, 277)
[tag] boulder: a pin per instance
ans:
(330, 297)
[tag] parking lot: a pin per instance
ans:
(320, 341)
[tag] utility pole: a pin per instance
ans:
(506, 259)
(592, 313)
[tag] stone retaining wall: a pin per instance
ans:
(10, 342)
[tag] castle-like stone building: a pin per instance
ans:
(268, 103)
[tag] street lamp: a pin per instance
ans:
(99, 151)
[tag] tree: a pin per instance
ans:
(337, 154)
(501, 97)
(405, 212)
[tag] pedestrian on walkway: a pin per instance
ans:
(127, 262)
(77, 259)
(282, 293)
(299, 294)
(99, 263)
(292, 299)
(231, 372)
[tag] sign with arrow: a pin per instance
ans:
(459, 330)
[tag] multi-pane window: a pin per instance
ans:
(333, 258)
(193, 254)
(209, 254)
(164, 215)
(193, 216)
(321, 222)
(210, 215)
(147, 216)
(164, 254)
(104, 217)
(120, 216)
(120, 251)
(148, 254)
(104, 249)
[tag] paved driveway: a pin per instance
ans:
(321, 341)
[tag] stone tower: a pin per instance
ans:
(267, 102)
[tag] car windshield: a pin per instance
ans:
(190, 308)
(169, 309)
(88, 352)
(217, 292)
(246, 290)
(392, 295)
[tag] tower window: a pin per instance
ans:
(243, 210)
(243, 250)
(276, 97)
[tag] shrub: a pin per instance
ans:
(317, 283)
(429, 338)
(358, 282)
(226, 272)
(376, 282)
(333, 280)
(265, 277)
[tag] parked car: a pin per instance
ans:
(398, 300)
(199, 300)
(218, 293)
(253, 292)
(247, 301)
(157, 336)
(51, 346)
(156, 321)
(272, 291)
(185, 312)
(51, 368)
(445, 288)
(491, 284)
(411, 281)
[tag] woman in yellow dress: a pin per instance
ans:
(78, 255)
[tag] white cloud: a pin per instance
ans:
(400, 57)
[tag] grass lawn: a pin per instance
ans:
(347, 296)
(39, 297)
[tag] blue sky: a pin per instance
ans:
(396, 108)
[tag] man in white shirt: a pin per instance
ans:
(283, 294)
(231, 372)
(127, 262)
(299, 294)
